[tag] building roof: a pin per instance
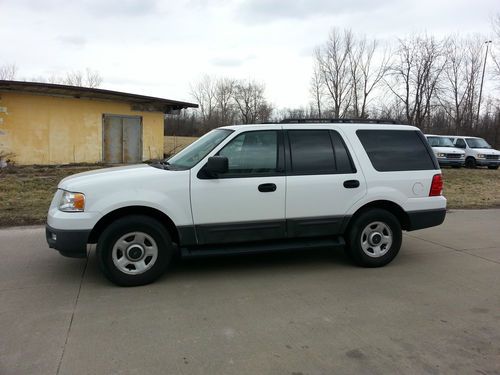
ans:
(138, 102)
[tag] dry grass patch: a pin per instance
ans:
(26, 192)
(472, 188)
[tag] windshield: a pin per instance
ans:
(440, 142)
(477, 143)
(195, 152)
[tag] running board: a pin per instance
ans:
(262, 247)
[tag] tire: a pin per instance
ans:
(470, 162)
(134, 250)
(374, 238)
(493, 167)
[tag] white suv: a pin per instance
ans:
(477, 152)
(253, 188)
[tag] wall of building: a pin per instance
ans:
(42, 129)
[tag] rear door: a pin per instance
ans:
(322, 182)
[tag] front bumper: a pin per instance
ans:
(487, 162)
(451, 162)
(70, 243)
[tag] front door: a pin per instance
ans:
(248, 202)
(122, 139)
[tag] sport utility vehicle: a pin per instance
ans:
(253, 188)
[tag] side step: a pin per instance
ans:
(262, 247)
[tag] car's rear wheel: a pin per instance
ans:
(374, 238)
(134, 250)
(493, 167)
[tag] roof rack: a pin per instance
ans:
(338, 120)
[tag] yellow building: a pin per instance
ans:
(44, 123)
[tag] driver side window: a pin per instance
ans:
(252, 153)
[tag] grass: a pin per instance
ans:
(472, 188)
(26, 192)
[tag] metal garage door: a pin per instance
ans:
(122, 139)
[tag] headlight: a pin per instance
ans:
(480, 156)
(440, 155)
(72, 202)
(462, 156)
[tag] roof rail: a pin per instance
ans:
(338, 120)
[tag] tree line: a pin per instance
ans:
(87, 78)
(433, 83)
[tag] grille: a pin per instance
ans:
(492, 157)
(453, 156)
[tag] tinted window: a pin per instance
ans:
(460, 143)
(311, 151)
(252, 153)
(477, 143)
(342, 156)
(396, 150)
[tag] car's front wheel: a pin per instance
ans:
(134, 250)
(470, 162)
(374, 238)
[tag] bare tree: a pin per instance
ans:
(459, 92)
(204, 92)
(333, 61)
(92, 78)
(74, 78)
(317, 86)
(224, 93)
(415, 72)
(8, 72)
(495, 53)
(366, 76)
(251, 103)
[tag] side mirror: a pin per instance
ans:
(215, 165)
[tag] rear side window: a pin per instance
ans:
(318, 152)
(396, 150)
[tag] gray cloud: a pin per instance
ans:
(72, 40)
(231, 61)
(113, 8)
(267, 11)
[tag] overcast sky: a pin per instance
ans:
(159, 47)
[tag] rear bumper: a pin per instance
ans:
(70, 243)
(425, 218)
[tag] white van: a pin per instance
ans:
(477, 152)
(445, 151)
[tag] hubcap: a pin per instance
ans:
(135, 253)
(376, 239)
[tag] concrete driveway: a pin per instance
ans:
(435, 310)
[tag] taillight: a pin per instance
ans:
(436, 186)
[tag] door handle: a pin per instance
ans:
(351, 184)
(265, 188)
